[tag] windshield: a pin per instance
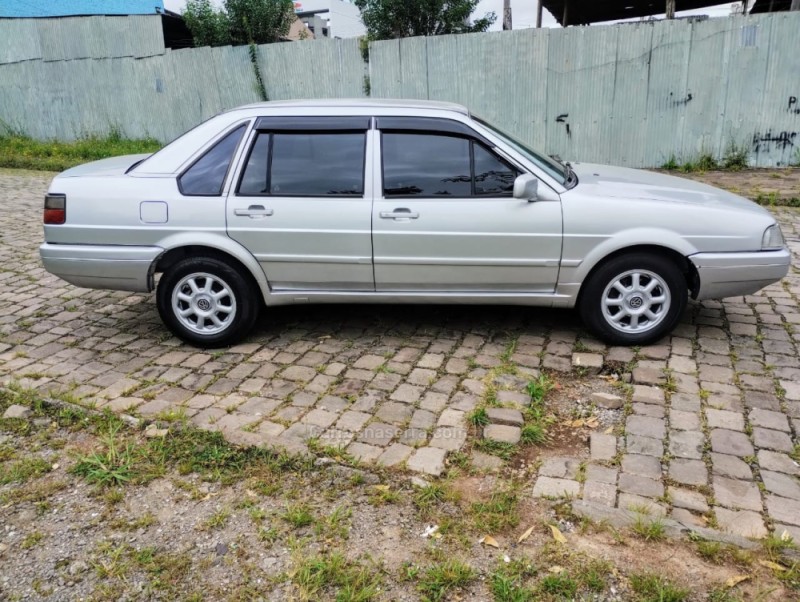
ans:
(555, 170)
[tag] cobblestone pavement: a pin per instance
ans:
(707, 430)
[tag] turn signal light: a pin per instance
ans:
(55, 209)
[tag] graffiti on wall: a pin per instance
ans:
(769, 141)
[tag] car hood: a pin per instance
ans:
(114, 166)
(624, 182)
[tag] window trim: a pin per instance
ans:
(323, 132)
(488, 146)
(239, 126)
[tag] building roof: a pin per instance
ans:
(583, 13)
(67, 8)
(770, 6)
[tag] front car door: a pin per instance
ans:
(300, 204)
(444, 218)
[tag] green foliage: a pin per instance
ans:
(439, 579)
(735, 158)
(113, 465)
(389, 19)
(22, 152)
(352, 581)
(239, 21)
(653, 588)
(478, 417)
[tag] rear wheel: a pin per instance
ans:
(206, 301)
(634, 299)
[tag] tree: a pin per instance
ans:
(387, 19)
(239, 21)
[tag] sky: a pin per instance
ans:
(523, 11)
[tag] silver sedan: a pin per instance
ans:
(367, 201)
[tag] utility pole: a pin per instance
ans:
(507, 25)
(539, 14)
(670, 9)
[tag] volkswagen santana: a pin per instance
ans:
(371, 201)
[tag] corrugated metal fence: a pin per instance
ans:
(632, 94)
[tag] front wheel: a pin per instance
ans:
(206, 301)
(634, 299)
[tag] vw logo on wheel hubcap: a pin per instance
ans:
(636, 302)
(203, 304)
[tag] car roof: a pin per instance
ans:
(360, 103)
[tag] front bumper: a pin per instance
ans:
(113, 267)
(734, 274)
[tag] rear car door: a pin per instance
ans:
(301, 204)
(444, 218)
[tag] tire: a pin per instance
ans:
(620, 312)
(207, 302)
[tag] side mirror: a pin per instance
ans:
(526, 188)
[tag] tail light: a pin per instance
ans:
(55, 209)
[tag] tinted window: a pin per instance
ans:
(426, 165)
(492, 175)
(207, 175)
(318, 164)
(254, 179)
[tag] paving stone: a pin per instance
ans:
(648, 376)
(17, 411)
(554, 488)
(353, 421)
(736, 494)
(502, 433)
(514, 398)
(591, 362)
(451, 438)
(686, 517)
(395, 454)
(156, 406)
(320, 418)
(602, 493)
(689, 499)
(407, 394)
(684, 402)
(688, 472)
(769, 460)
(641, 505)
(603, 447)
(684, 421)
(774, 440)
(645, 466)
(686, 444)
(731, 442)
(644, 445)
(432, 361)
(730, 466)
(647, 394)
(606, 400)
(645, 426)
(505, 416)
(434, 402)
(452, 417)
(422, 419)
(256, 406)
(642, 486)
(395, 413)
(560, 467)
(429, 460)
(741, 522)
(603, 474)
(364, 452)
(781, 484)
(270, 429)
(379, 434)
(723, 419)
(649, 409)
(485, 462)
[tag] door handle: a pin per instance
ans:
(399, 213)
(253, 211)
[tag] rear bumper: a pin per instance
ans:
(113, 267)
(733, 274)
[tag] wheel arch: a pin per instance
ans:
(682, 261)
(223, 248)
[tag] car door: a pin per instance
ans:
(301, 205)
(444, 218)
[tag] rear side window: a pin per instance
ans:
(308, 164)
(436, 165)
(206, 176)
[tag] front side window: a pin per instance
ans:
(435, 165)
(305, 164)
(206, 176)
